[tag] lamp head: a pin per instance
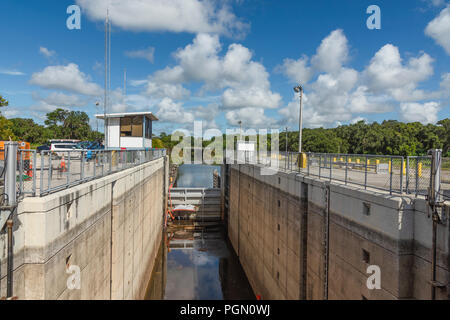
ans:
(298, 89)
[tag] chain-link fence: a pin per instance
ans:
(395, 174)
(47, 172)
(445, 176)
(2, 176)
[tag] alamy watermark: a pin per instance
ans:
(374, 20)
(73, 22)
(74, 280)
(374, 280)
(249, 146)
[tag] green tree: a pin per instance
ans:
(6, 131)
(3, 102)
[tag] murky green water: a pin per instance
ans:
(196, 176)
(196, 261)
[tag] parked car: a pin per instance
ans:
(61, 149)
(44, 147)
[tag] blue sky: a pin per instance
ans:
(225, 61)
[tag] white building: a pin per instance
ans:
(131, 130)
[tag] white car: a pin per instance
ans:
(61, 149)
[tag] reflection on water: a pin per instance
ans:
(196, 260)
(196, 176)
(197, 264)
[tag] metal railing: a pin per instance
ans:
(445, 176)
(48, 172)
(394, 174)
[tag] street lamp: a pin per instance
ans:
(299, 89)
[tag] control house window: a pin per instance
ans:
(148, 128)
(131, 127)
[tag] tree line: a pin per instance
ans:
(391, 137)
(59, 124)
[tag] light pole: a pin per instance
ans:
(286, 140)
(299, 89)
(240, 129)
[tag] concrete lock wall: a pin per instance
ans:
(109, 229)
(293, 245)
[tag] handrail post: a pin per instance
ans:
(390, 177)
(50, 171)
(68, 169)
(346, 168)
(82, 166)
(41, 183)
(407, 174)
(417, 176)
(320, 164)
(365, 174)
(331, 167)
(20, 172)
(34, 173)
(401, 175)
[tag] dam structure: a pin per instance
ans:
(299, 236)
(302, 227)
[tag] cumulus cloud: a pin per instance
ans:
(68, 78)
(171, 111)
(424, 113)
(245, 81)
(252, 117)
(166, 90)
(445, 83)
(297, 71)
(339, 94)
(332, 52)
(192, 16)
(59, 99)
(387, 73)
(147, 54)
(439, 29)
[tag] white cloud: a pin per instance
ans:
(11, 72)
(166, 90)
(339, 94)
(424, 113)
(59, 99)
(332, 52)
(253, 97)
(445, 83)
(252, 117)
(192, 16)
(207, 114)
(246, 82)
(148, 54)
(171, 111)
(297, 71)
(68, 78)
(387, 73)
(439, 29)
(46, 52)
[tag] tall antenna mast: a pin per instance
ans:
(125, 82)
(107, 73)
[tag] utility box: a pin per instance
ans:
(22, 145)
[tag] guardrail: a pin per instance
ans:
(48, 172)
(394, 174)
